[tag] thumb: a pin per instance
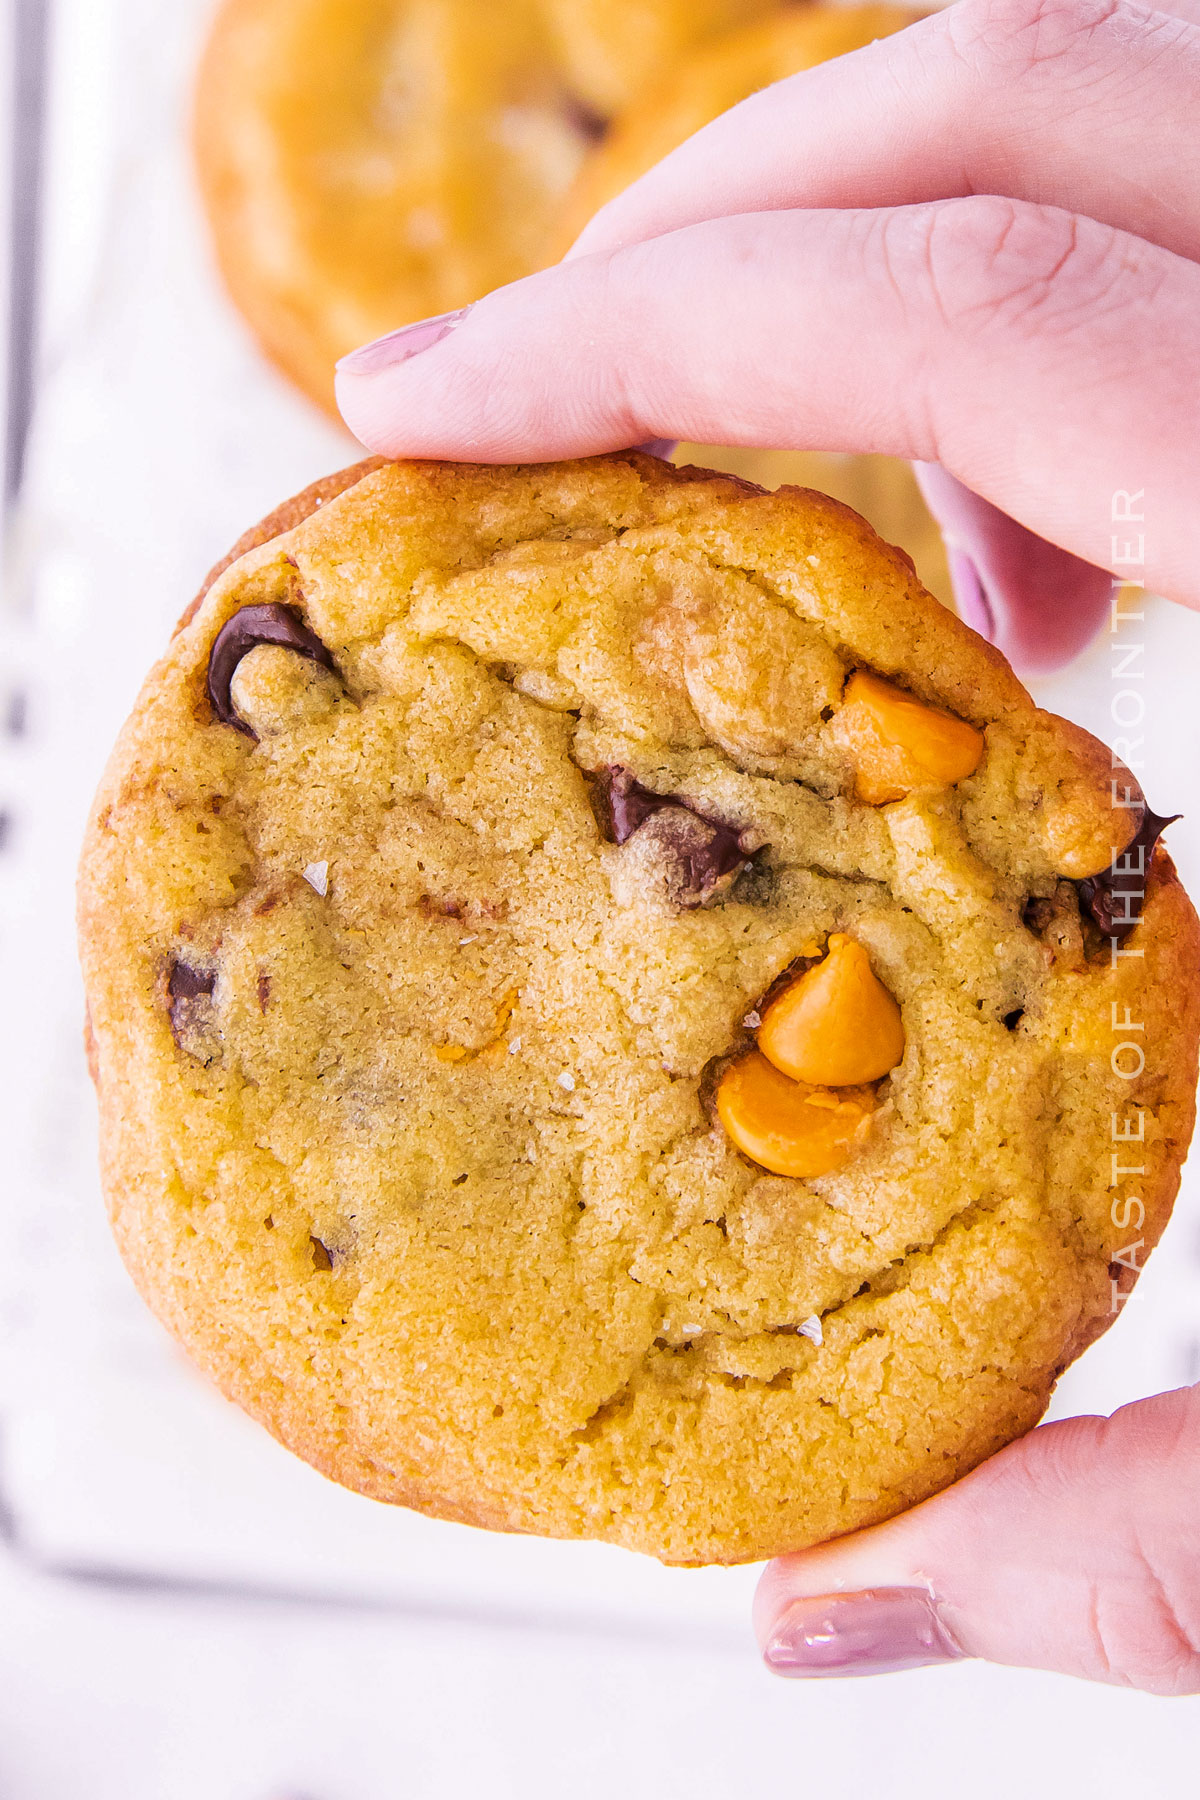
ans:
(1075, 1549)
(1038, 604)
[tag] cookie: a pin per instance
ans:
(714, 77)
(364, 163)
(882, 488)
(613, 49)
(610, 1009)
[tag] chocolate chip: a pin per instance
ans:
(254, 625)
(185, 983)
(583, 118)
(322, 1259)
(697, 859)
(702, 856)
(629, 803)
(190, 1009)
(1123, 885)
(1037, 914)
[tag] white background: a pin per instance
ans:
(184, 1610)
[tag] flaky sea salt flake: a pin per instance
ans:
(811, 1328)
(566, 1081)
(317, 877)
(752, 1021)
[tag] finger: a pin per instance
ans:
(1081, 104)
(1075, 1549)
(1046, 362)
(1038, 604)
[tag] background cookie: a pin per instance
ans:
(364, 163)
(612, 49)
(367, 162)
(714, 77)
(452, 858)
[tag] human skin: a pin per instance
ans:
(975, 244)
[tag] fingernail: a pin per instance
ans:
(660, 447)
(401, 346)
(970, 595)
(875, 1632)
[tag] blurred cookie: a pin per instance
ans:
(364, 163)
(707, 83)
(612, 49)
(604, 1006)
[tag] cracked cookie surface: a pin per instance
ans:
(407, 1066)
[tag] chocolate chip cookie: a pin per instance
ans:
(615, 1015)
(364, 163)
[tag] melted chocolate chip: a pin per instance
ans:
(1114, 898)
(699, 860)
(701, 856)
(321, 1256)
(254, 625)
(185, 983)
(629, 803)
(189, 1007)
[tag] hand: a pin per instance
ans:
(974, 244)
(1076, 1549)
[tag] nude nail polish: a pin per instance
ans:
(402, 345)
(876, 1632)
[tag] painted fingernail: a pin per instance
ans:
(876, 1632)
(401, 346)
(971, 598)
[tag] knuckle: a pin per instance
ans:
(1146, 1629)
(996, 266)
(1146, 1607)
(1009, 40)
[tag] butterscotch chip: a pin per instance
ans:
(835, 1025)
(419, 943)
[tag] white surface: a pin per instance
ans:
(500, 1664)
(167, 1699)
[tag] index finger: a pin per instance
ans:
(1045, 360)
